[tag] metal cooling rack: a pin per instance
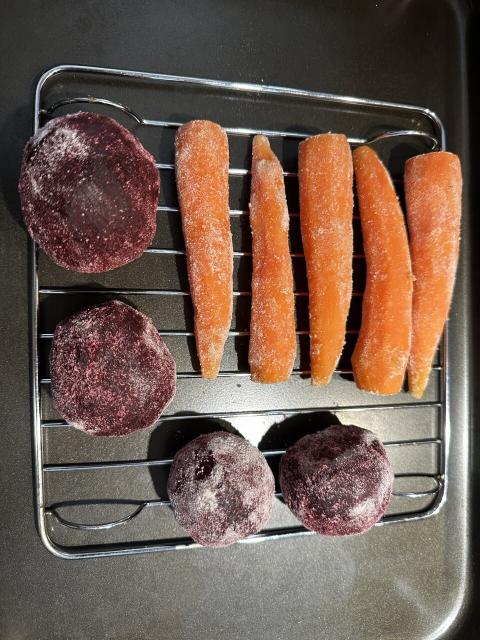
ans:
(49, 514)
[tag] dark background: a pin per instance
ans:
(400, 50)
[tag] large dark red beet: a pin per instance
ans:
(337, 481)
(221, 489)
(111, 372)
(89, 192)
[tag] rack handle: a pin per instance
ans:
(400, 133)
(82, 526)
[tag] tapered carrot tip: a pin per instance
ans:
(201, 154)
(433, 194)
(380, 357)
(325, 175)
(272, 326)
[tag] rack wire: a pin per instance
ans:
(49, 512)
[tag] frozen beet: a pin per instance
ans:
(89, 192)
(221, 489)
(337, 481)
(111, 372)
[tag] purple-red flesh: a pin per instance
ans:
(112, 374)
(221, 489)
(338, 481)
(89, 192)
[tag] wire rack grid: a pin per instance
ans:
(49, 511)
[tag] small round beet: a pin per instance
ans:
(338, 481)
(89, 192)
(221, 489)
(111, 372)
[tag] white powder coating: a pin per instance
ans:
(221, 489)
(325, 174)
(89, 192)
(367, 508)
(273, 344)
(337, 481)
(63, 142)
(111, 372)
(201, 153)
(383, 346)
(433, 193)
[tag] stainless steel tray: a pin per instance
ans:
(99, 497)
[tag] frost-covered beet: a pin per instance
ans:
(89, 192)
(221, 489)
(111, 372)
(338, 481)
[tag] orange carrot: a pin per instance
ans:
(272, 327)
(201, 153)
(433, 191)
(326, 205)
(383, 346)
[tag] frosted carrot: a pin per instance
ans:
(326, 207)
(201, 153)
(383, 346)
(433, 192)
(272, 327)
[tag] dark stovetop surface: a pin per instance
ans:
(404, 581)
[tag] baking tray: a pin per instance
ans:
(103, 497)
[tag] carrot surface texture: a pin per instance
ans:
(433, 193)
(201, 154)
(326, 210)
(272, 327)
(381, 353)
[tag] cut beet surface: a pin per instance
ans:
(112, 374)
(89, 192)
